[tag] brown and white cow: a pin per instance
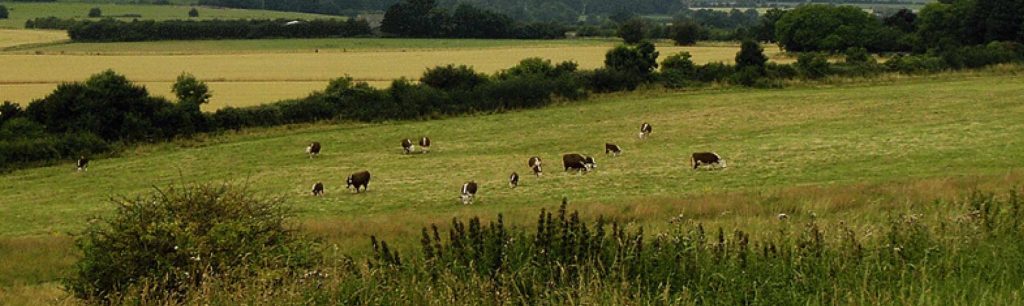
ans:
(645, 130)
(513, 180)
(534, 164)
(318, 189)
(425, 144)
(358, 179)
(706, 158)
(407, 146)
(83, 164)
(313, 149)
(468, 192)
(578, 162)
(613, 149)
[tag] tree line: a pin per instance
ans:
(108, 30)
(108, 111)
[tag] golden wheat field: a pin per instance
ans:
(11, 38)
(256, 78)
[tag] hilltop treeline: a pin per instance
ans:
(107, 111)
(115, 30)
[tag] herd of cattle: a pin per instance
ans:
(571, 162)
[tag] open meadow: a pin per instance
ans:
(22, 11)
(855, 154)
(242, 73)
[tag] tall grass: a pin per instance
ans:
(972, 256)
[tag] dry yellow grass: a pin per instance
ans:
(10, 38)
(248, 79)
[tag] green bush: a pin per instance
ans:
(611, 80)
(813, 65)
(95, 12)
(453, 77)
(916, 64)
(746, 76)
(780, 71)
(714, 72)
(751, 55)
(3, 12)
(166, 243)
(639, 61)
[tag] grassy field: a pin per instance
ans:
(853, 153)
(326, 45)
(255, 77)
(11, 38)
(21, 12)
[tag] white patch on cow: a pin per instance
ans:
(782, 217)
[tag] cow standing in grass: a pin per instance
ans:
(407, 146)
(706, 158)
(645, 130)
(513, 180)
(313, 149)
(83, 164)
(534, 164)
(425, 144)
(613, 149)
(578, 162)
(358, 179)
(318, 189)
(468, 192)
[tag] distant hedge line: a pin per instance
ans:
(108, 111)
(110, 30)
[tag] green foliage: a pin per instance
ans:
(453, 77)
(765, 29)
(633, 31)
(813, 65)
(471, 22)
(638, 61)
(714, 72)
(686, 32)
(912, 64)
(191, 91)
(95, 12)
(193, 13)
(171, 241)
(4, 14)
(819, 27)
(564, 258)
(681, 62)
(751, 55)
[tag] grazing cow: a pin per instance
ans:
(359, 179)
(318, 189)
(577, 162)
(407, 146)
(706, 158)
(612, 148)
(645, 130)
(513, 180)
(589, 162)
(468, 192)
(534, 164)
(425, 144)
(83, 164)
(313, 149)
(782, 217)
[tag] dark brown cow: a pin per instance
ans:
(645, 130)
(358, 179)
(534, 164)
(425, 144)
(468, 192)
(83, 164)
(313, 149)
(578, 162)
(407, 146)
(612, 148)
(706, 158)
(513, 180)
(318, 189)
